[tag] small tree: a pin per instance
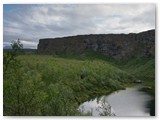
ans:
(10, 57)
(17, 47)
(23, 87)
(105, 109)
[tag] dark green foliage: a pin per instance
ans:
(60, 101)
(88, 55)
(47, 85)
(17, 47)
(23, 93)
(9, 57)
(23, 88)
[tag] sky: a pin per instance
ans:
(31, 22)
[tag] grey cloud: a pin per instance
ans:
(33, 22)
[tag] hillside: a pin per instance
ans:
(58, 85)
(75, 72)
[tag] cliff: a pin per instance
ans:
(112, 45)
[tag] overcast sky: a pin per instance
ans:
(35, 21)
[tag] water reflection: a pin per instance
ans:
(97, 107)
(129, 102)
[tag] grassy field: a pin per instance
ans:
(57, 84)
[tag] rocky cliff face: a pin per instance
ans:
(112, 45)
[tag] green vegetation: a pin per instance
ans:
(57, 84)
(141, 68)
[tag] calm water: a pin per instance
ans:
(128, 102)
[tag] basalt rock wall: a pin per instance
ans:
(112, 45)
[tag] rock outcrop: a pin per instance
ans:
(112, 45)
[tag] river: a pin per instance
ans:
(128, 102)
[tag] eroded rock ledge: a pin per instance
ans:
(112, 45)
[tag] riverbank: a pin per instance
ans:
(151, 104)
